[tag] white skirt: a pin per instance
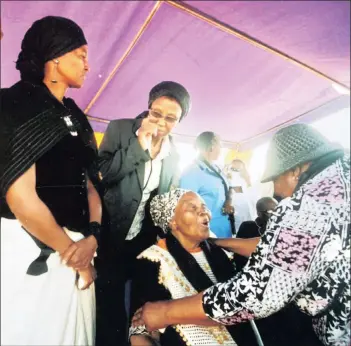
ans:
(47, 309)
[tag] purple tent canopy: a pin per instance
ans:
(240, 87)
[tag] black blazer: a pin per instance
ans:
(122, 165)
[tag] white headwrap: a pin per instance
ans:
(162, 207)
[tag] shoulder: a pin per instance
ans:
(330, 187)
(248, 229)
(16, 94)
(191, 170)
(248, 224)
(123, 125)
(174, 151)
(16, 103)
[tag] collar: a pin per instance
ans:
(202, 165)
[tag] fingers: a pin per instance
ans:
(137, 318)
(148, 126)
(81, 257)
(79, 261)
(86, 278)
(68, 253)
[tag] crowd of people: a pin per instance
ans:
(117, 246)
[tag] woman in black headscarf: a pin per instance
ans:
(137, 160)
(50, 209)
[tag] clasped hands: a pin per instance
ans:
(79, 256)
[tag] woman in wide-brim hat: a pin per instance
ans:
(50, 209)
(304, 256)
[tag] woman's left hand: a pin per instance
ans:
(80, 254)
(152, 315)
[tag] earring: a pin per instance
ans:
(54, 79)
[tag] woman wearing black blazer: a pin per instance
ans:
(137, 160)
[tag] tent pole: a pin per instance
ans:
(243, 36)
(126, 54)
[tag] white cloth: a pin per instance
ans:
(243, 203)
(201, 260)
(244, 210)
(179, 286)
(47, 309)
(151, 182)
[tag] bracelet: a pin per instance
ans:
(95, 230)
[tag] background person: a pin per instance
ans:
(205, 178)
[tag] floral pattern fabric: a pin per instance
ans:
(303, 257)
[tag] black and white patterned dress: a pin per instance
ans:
(303, 257)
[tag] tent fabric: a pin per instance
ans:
(238, 90)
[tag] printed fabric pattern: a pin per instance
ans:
(303, 257)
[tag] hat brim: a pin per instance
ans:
(272, 173)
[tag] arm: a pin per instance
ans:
(80, 254)
(145, 288)
(284, 251)
(115, 162)
(243, 247)
(95, 207)
(161, 314)
(33, 214)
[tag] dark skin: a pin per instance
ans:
(190, 310)
(164, 115)
(69, 71)
(190, 225)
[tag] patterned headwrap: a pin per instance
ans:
(162, 207)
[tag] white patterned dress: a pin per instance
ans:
(303, 257)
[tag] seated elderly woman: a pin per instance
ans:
(180, 265)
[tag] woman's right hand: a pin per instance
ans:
(145, 133)
(86, 277)
(80, 254)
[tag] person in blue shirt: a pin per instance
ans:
(205, 178)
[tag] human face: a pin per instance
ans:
(216, 149)
(191, 220)
(285, 184)
(166, 113)
(73, 67)
(264, 215)
(237, 166)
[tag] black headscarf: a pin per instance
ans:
(174, 91)
(48, 38)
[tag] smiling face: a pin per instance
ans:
(190, 223)
(71, 68)
(166, 113)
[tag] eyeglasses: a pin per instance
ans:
(158, 116)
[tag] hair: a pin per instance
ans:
(205, 141)
(263, 203)
(173, 91)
